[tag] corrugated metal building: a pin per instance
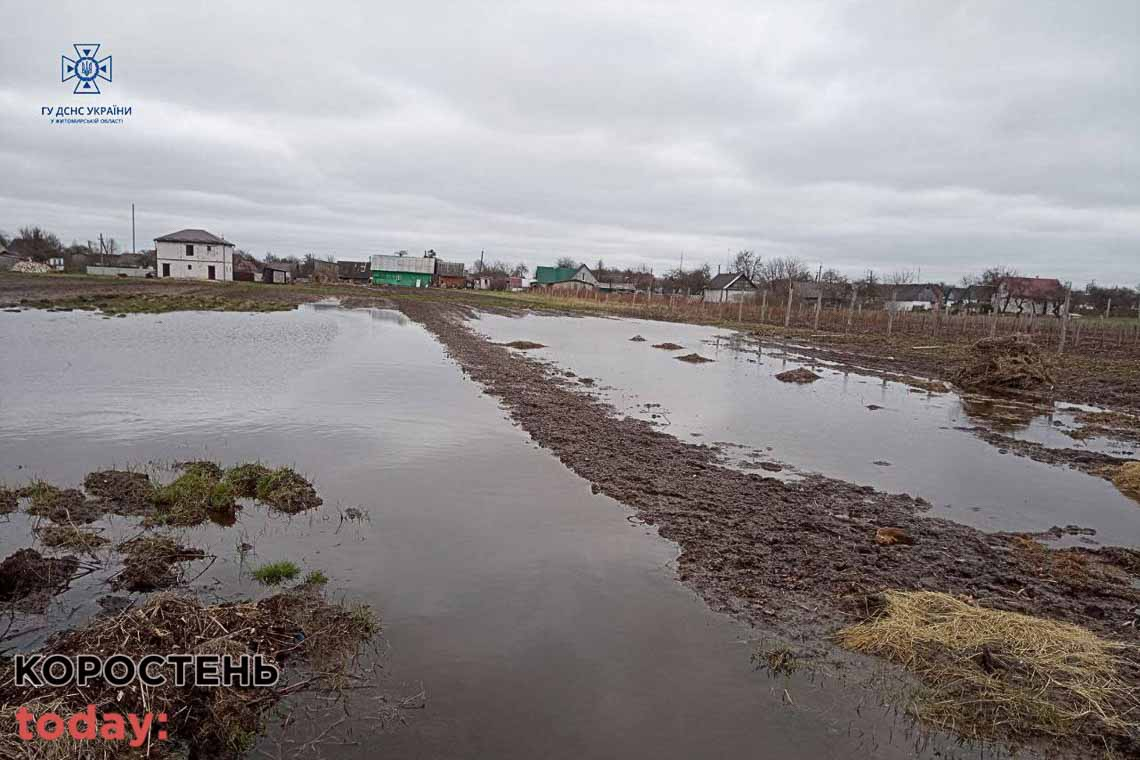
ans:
(403, 271)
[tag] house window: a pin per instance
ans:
(189, 266)
(209, 248)
(189, 249)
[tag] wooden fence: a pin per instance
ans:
(1085, 335)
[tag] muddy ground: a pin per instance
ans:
(799, 557)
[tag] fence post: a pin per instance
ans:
(1108, 309)
(740, 312)
(764, 306)
(891, 312)
(1065, 319)
(851, 309)
(818, 307)
(788, 311)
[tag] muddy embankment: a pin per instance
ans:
(803, 558)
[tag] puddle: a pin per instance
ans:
(825, 426)
(536, 618)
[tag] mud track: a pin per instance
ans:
(797, 557)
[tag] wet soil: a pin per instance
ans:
(800, 557)
(693, 358)
(801, 375)
(28, 580)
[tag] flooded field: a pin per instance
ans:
(849, 426)
(536, 618)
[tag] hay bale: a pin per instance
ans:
(991, 674)
(1127, 479)
(1009, 365)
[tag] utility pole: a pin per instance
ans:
(133, 249)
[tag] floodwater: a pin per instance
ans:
(536, 618)
(914, 443)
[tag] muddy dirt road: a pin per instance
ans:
(801, 557)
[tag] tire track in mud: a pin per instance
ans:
(797, 557)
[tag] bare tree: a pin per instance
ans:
(566, 262)
(748, 264)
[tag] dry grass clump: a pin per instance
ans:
(9, 501)
(28, 580)
(71, 537)
(299, 626)
(1010, 365)
(668, 346)
(991, 674)
(1127, 479)
(149, 563)
(693, 358)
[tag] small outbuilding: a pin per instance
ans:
(729, 287)
(403, 270)
(917, 297)
(353, 271)
(565, 279)
(276, 274)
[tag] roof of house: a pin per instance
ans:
(550, 275)
(192, 236)
(726, 280)
(1033, 287)
(928, 292)
(352, 269)
(809, 291)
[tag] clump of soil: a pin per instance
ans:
(892, 536)
(28, 580)
(1127, 479)
(298, 626)
(637, 339)
(1119, 426)
(149, 563)
(127, 493)
(70, 537)
(1009, 365)
(800, 376)
(203, 468)
(668, 346)
(61, 505)
(524, 345)
(693, 358)
(9, 501)
(287, 491)
(992, 674)
(194, 496)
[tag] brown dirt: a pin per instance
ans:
(60, 505)
(668, 346)
(149, 563)
(125, 493)
(9, 501)
(637, 339)
(524, 345)
(801, 376)
(693, 359)
(28, 580)
(1085, 460)
(800, 557)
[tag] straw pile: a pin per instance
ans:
(1010, 365)
(299, 626)
(1001, 675)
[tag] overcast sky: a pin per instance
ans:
(941, 136)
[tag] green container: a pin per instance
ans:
(402, 279)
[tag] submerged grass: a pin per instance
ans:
(190, 499)
(991, 674)
(276, 573)
(71, 537)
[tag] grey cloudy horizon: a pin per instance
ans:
(938, 137)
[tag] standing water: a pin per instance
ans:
(538, 619)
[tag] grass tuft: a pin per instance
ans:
(276, 573)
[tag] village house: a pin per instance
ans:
(450, 274)
(194, 255)
(973, 299)
(834, 294)
(277, 273)
(729, 287)
(1029, 295)
(917, 297)
(353, 271)
(565, 279)
(7, 259)
(403, 270)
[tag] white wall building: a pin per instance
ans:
(194, 255)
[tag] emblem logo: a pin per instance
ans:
(86, 68)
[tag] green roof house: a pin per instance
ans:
(565, 278)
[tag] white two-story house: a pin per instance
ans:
(194, 255)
